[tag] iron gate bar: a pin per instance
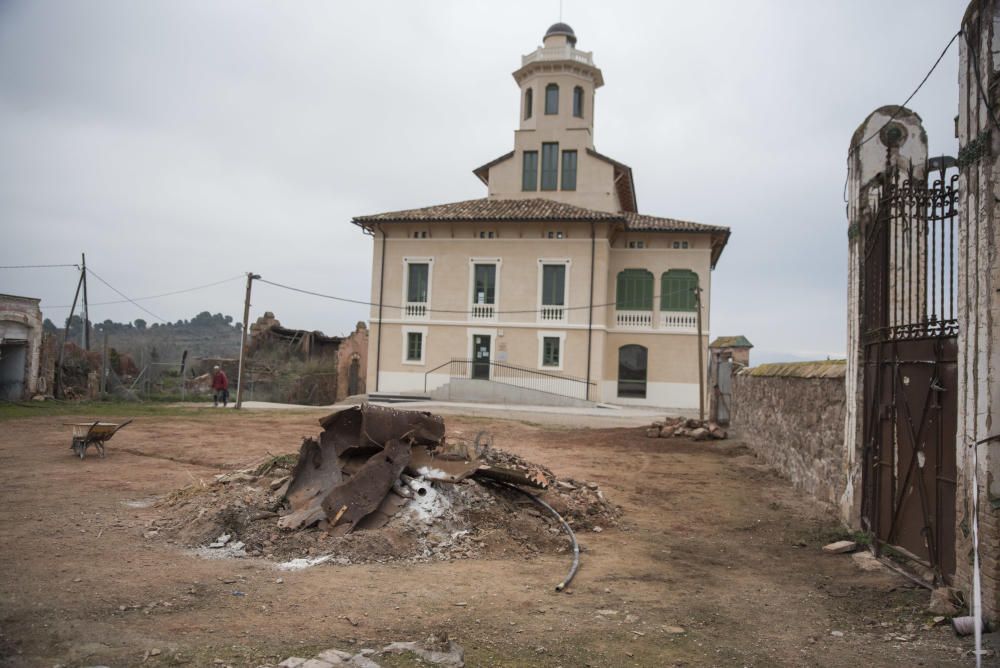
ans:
(908, 337)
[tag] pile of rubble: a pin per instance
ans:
(382, 485)
(699, 430)
(436, 650)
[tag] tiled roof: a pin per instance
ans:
(639, 222)
(821, 369)
(485, 209)
(738, 341)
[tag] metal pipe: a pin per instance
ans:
(590, 309)
(569, 532)
(381, 292)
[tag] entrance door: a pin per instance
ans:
(632, 371)
(723, 391)
(481, 356)
(353, 376)
(13, 357)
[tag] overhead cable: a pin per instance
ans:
(126, 297)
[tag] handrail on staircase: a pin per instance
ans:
(523, 374)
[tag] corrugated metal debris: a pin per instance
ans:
(351, 476)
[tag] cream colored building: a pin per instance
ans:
(553, 281)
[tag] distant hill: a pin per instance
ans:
(204, 335)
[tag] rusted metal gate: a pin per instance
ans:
(909, 337)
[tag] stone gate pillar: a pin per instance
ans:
(978, 304)
(897, 138)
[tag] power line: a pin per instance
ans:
(37, 266)
(362, 302)
(165, 294)
(899, 108)
(127, 298)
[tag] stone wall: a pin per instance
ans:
(792, 416)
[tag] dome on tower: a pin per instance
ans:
(562, 29)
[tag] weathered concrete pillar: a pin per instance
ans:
(898, 139)
(978, 297)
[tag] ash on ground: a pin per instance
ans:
(237, 515)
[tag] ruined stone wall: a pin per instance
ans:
(792, 417)
(21, 318)
(353, 346)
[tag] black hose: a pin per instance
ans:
(569, 532)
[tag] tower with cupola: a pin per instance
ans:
(554, 154)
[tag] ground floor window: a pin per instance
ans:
(632, 371)
(414, 347)
(550, 351)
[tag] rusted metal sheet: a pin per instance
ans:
(426, 463)
(378, 518)
(368, 427)
(528, 478)
(316, 473)
(363, 492)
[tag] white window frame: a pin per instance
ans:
(542, 261)
(681, 244)
(551, 334)
(407, 330)
(407, 261)
(473, 261)
(637, 244)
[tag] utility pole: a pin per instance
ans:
(701, 360)
(86, 305)
(57, 390)
(243, 340)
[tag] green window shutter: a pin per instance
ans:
(486, 283)
(529, 177)
(550, 351)
(569, 170)
(414, 346)
(416, 284)
(634, 290)
(677, 290)
(550, 166)
(552, 99)
(553, 284)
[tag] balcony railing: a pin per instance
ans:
(634, 319)
(559, 53)
(415, 310)
(484, 312)
(552, 314)
(679, 321)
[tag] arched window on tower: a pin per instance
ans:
(552, 99)
(528, 100)
(578, 102)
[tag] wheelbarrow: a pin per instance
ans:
(86, 434)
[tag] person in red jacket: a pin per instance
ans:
(220, 387)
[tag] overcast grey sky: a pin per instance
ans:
(181, 143)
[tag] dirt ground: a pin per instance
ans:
(717, 563)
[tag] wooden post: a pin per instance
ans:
(701, 360)
(57, 390)
(86, 305)
(243, 340)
